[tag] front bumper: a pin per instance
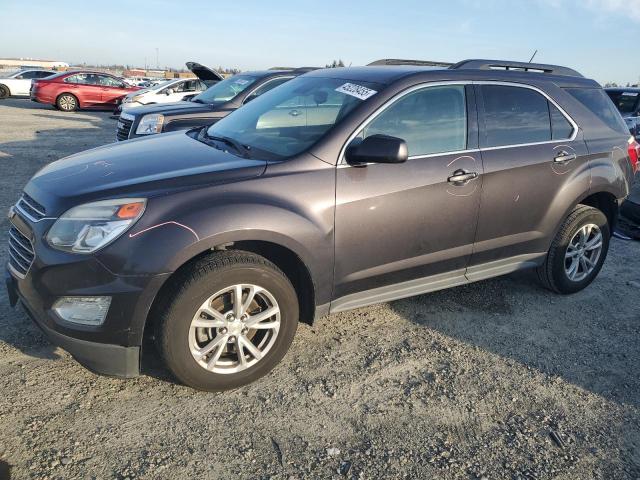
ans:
(112, 348)
(102, 358)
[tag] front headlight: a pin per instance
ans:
(87, 228)
(150, 124)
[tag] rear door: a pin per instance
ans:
(399, 223)
(535, 166)
(90, 89)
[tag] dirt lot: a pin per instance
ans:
(500, 379)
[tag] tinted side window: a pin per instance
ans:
(599, 103)
(561, 129)
(107, 81)
(27, 75)
(79, 78)
(626, 102)
(43, 74)
(431, 120)
(514, 115)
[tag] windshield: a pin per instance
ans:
(292, 117)
(625, 102)
(226, 89)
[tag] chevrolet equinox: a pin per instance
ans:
(338, 189)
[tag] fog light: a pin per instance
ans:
(83, 310)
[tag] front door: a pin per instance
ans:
(112, 89)
(402, 227)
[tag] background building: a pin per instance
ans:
(16, 63)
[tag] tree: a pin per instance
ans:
(335, 64)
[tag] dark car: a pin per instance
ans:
(627, 101)
(203, 109)
(386, 182)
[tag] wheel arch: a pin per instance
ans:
(284, 257)
(606, 202)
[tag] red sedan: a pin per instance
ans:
(71, 91)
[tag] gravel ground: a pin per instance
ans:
(499, 379)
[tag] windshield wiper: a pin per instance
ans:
(241, 149)
(196, 100)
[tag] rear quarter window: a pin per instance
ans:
(599, 103)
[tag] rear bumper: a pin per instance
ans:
(102, 358)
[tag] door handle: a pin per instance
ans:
(564, 157)
(460, 177)
(294, 113)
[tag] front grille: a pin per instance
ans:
(32, 209)
(123, 128)
(21, 254)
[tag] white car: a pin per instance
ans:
(173, 90)
(18, 84)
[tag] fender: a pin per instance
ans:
(297, 214)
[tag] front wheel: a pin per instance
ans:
(67, 102)
(4, 92)
(578, 251)
(229, 320)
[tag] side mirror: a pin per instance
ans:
(377, 149)
(168, 91)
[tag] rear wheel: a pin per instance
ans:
(578, 251)
(67, 102)
(230, 319)
(4, 91)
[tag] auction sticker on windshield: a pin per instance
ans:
(355, 90)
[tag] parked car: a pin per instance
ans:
(627, 101)
(18, 84)
(205, 108)
(173, 90)
(71, 91)
(339, 189)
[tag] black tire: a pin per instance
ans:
(553, 273)
(67, 102)
(4, 92)
(194, 286)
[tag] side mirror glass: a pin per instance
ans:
(377, 149)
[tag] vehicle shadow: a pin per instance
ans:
(27, 103)
(589, 344)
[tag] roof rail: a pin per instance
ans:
(418, 63)
(478, 64)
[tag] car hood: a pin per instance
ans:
(204, 73)
(145, 167)
(169, 108)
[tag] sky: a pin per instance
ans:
(599, 38)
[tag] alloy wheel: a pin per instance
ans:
(583, 252)
(67, 103)
(234, 328)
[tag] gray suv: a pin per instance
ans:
(338, 189)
